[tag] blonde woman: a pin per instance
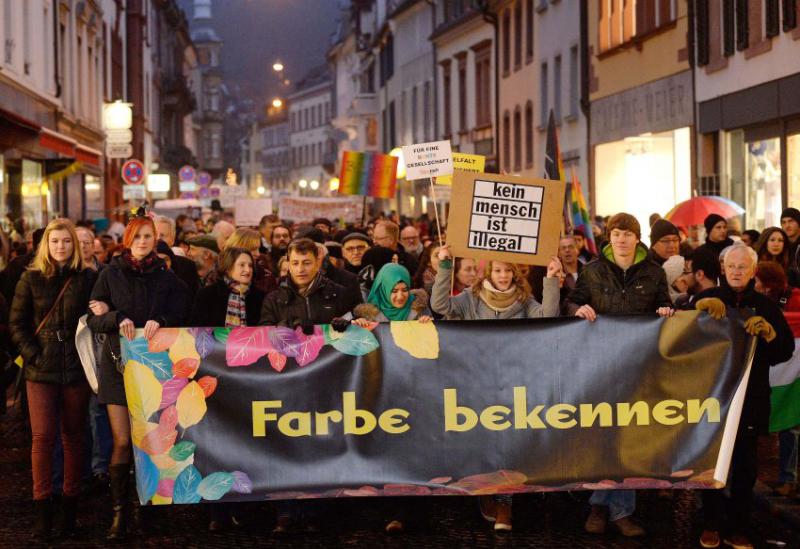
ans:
(502, 292)
(50, 298)
(264, 279)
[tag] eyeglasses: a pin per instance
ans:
(685, 272)
(354, 248)
(673, 240)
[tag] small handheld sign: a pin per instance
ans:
(133, 172)
(505, 218)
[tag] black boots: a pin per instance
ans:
(43, 528)
(119, 499)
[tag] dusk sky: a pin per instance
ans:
(257, 32)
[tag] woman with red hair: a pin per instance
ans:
(136, 290)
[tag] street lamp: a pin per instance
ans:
(314, 184)
(401, 162)
(334, 184)
(302, 183)
(277, 66)
(277, 103)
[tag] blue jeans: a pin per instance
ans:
(102, 443)
(787, 455)
(620, 503)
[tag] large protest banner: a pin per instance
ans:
(476, 407)
(304, 209)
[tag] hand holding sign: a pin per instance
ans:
(554, 268)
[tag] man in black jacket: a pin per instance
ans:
(183, 267)
(775, 345)
(621, 281)
(307, 297)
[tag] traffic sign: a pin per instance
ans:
(133, 172)
(204, 178)
(187, 173)
(119, 150)
(119, 137)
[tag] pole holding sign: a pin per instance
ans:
(505, 218)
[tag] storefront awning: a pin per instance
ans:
(19, 121)
(87, 155)
(57, 142)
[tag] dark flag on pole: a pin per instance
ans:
(554, 167)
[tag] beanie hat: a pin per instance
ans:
(794, 213)
(307, 231)
(673, 267)
(712, 220)
(662, 228)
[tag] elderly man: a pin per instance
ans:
(571, 267)
(222, 230)
(204, 250)
(731, 515)
(183, 267)
(86, 244)
(354, 246)
(387, 234)
(409, 237)
(665, 241)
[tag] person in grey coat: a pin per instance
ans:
(502, 292)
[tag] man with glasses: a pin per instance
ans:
(354, 246)
(665, 241)
(700, 273)
(387, 234)
(729, 516)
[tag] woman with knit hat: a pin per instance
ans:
(716, 234)
(502, 292)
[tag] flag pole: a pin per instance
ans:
(436, 213)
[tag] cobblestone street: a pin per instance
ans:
(550, 521)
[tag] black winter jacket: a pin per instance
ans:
(155, 294)
(211, 306)
(50, 356)
(286, 307)
(610, 290)
(757, 398)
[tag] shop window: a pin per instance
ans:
(753, 176)
(793, 169)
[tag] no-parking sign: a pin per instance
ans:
(133, 172)
(187, 173)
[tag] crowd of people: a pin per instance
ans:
(159, 272)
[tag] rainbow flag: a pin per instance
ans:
(580, 213)
(369, 174)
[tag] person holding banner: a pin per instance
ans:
(775, 344)
(621, 281)
(502, 292)
(136, 290)
(49, 299)
(391, 298)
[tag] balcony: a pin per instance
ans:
(175, 93)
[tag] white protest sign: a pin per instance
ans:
(248, 212)
(229, 193)
(425, 160)
(300, 209)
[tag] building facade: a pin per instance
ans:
(745, 58)
(641, 119)
(311, 149)
(275, 152)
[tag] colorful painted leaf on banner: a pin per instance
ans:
(277, 360)
(137, 350)
(174, 470)
(356, 342)
(284, 340)
(308, 346)
(165, 487)
(208, 384)
(203, 340)
(163, 461)
(146, 476)
(171, 389)
(158, 499)
(221, 334)
(158, 441)
(183, 347)
(140, 428)
(241, 483)
(331, 334)
(191, 405)
(169, 418)
(245, 345)
(186, 368)
(182, 450)
(215, 485)
(143, 390)
(419, 339)
(162, 340)
(185, 490)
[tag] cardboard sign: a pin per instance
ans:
(463, 162)
(426, 160)
(249, 211)
(505, 218)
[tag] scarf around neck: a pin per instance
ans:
(498, 301)
(140, 265)
(236, 313)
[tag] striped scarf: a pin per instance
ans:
(236, 314)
